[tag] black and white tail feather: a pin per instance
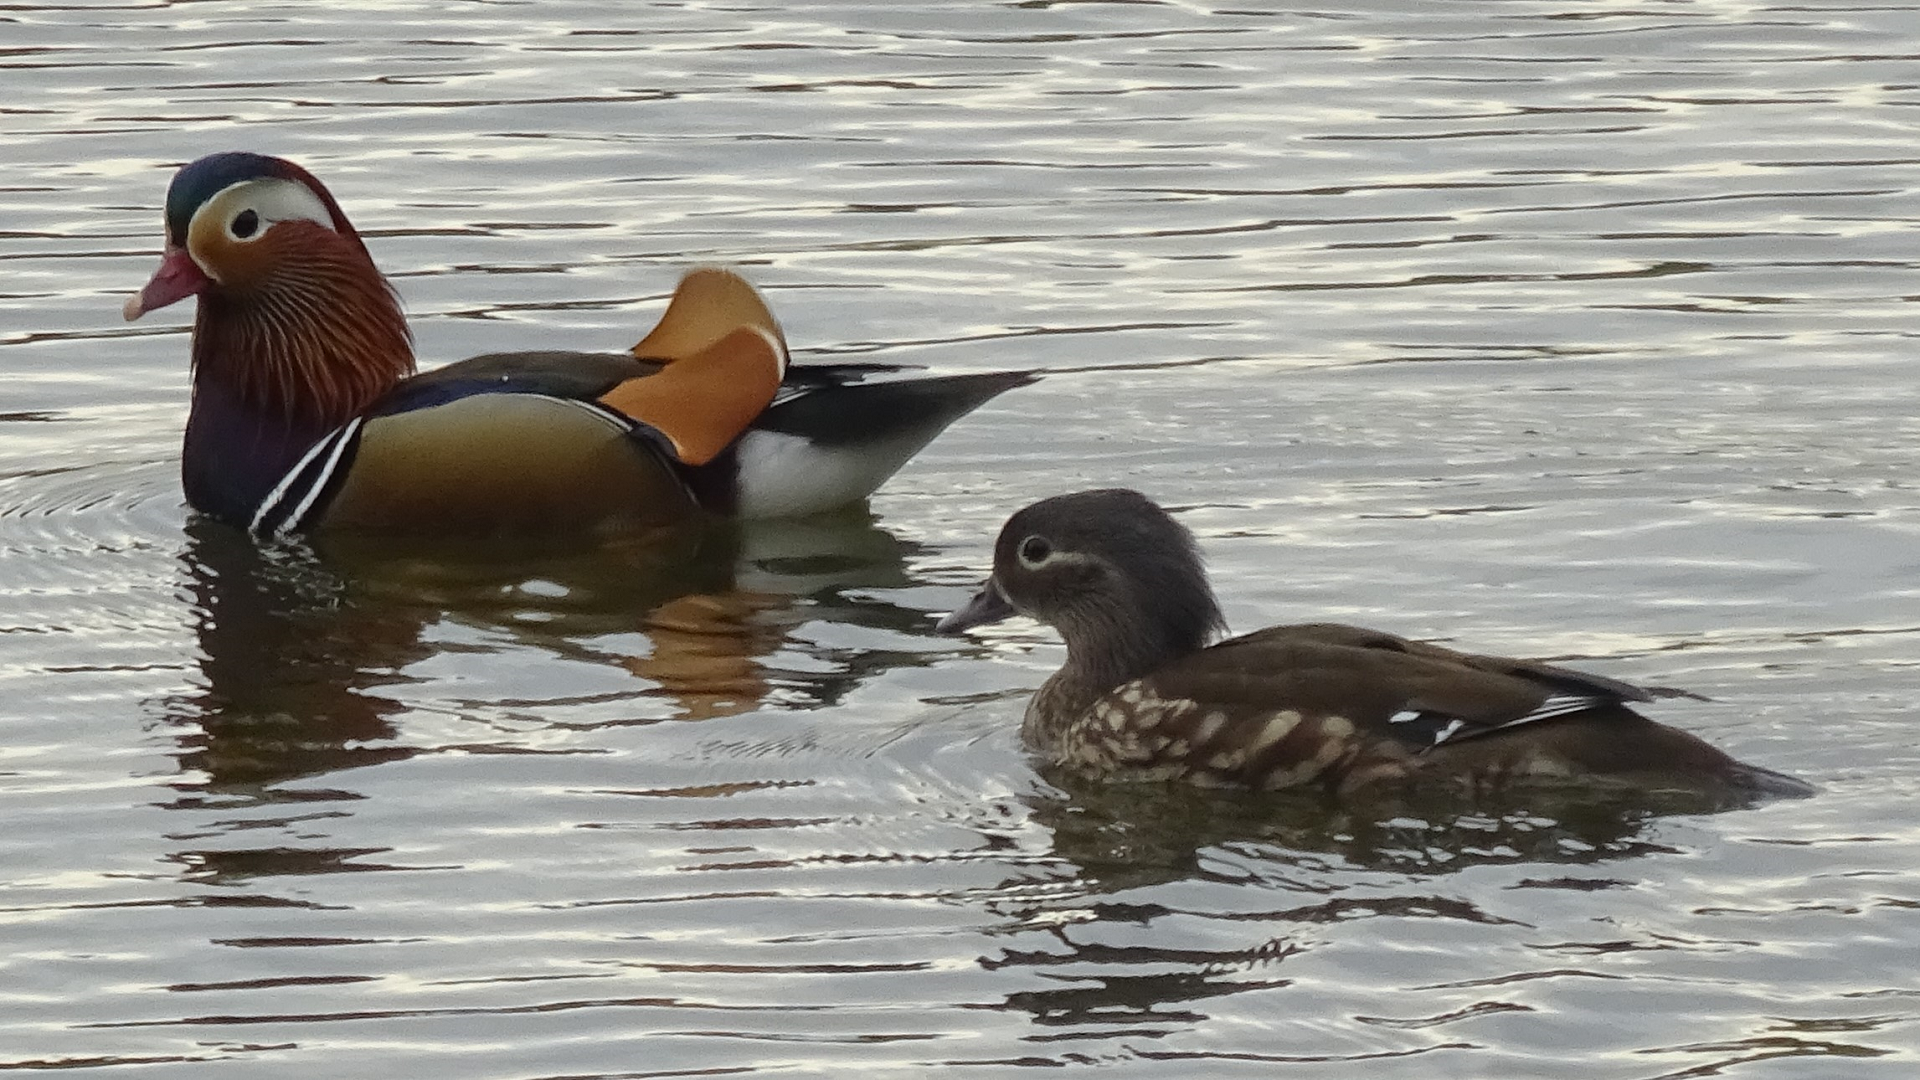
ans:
(1432, 729)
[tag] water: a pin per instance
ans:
(1567, 329)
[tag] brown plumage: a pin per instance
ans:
(304, 325)
(1142, 696)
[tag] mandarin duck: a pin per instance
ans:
(1142, 694)
(307, 413)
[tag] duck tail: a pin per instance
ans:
(1767, 784)
(830, 444)
(907, 412)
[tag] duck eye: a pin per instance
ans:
(1034, 550)
(245, 224)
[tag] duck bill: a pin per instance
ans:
(178, 278)
(989, 605)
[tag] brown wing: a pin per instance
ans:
(1292, 704)
(1551, 677)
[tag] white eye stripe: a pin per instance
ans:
(271, 201)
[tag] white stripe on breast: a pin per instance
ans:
(331, 444)
(319, 483)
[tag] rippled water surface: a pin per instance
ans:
(1566, 328)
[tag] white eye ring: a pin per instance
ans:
(248, 209)
(1034, 552)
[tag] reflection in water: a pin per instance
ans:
(1123, 836)
(1133, 1004)
(1304, 853)
(1331, 196)
(296, 641)
(711, 649)
(290, 668)
(706, 650)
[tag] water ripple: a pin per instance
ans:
(1548, 329)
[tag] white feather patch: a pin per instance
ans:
(782, 475)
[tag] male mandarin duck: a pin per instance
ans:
(307, 412)
(1143, 696)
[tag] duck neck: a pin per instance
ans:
(1107, 647)
(279, 365)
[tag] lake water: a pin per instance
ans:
(1555, 327)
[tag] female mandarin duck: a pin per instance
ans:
(1143, 696)
(307, 412)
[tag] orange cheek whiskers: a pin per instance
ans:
(321, 339)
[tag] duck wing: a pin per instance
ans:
(1418, 693)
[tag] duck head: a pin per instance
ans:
(294, 320)
(1118, 577)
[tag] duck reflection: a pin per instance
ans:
(300, 645)
(1095, 926)
(1122, 836)
(290, 668)
(709, 648)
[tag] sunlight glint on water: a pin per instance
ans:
(1553, 329)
